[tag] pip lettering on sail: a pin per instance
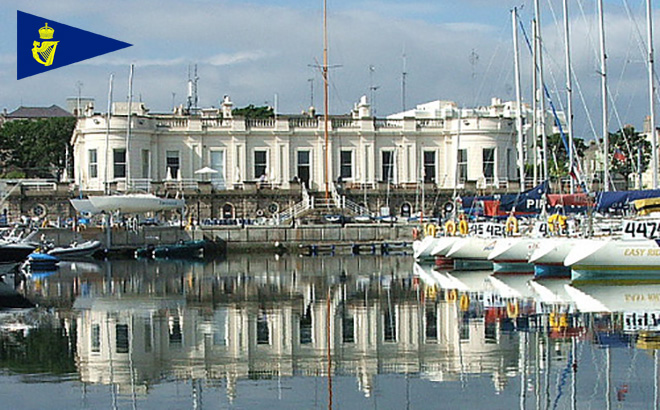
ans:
(35, 55)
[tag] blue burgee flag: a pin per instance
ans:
(43, 45)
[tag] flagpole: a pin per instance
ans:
(107, 136)
(128, 127)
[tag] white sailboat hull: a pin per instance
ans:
(135, 203)
(614, 259)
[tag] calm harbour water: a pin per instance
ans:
(255, 331)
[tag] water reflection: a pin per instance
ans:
(134, 325)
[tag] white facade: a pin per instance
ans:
(287, 149)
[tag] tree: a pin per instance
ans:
(558, 156)
(252, 112)
(624, 146)
(36, 148)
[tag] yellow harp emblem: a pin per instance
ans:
(44, 52)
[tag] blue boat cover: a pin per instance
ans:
(524, 203)
(621, 200)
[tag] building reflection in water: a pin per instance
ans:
(257, 317)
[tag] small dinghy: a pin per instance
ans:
(42, 262)
(76, 250)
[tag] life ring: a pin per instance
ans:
(273, 208)
(448, 207)
(463, 227)
(450, 228)
(512, 309)
(465, 302)
(260, 212)
(430, 230)
(452, 295)
(39, 210)
(415, 234)
(431, 292)
(511, 225)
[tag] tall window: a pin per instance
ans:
(218, 164)
(119, 163)
(121, 338)
(96, 338)
(346, 164)
(93, 163)
(145, 164)
(173, 164)
(429, 166)
(388, 166)
(304, 167)
(306, 326)
(462, 165)
(263, 330)
(489, 163)
(390, 326)
(260, 164)
(431, 328)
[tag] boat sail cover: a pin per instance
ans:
(523, 203)
(622, 200)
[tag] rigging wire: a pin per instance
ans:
(490, 65)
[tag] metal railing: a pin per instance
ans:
(354, 207)
(181, 184)
(296, 210)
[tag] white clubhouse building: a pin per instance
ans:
(430, 143)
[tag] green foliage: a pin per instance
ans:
(42, 350)
(252, 112)
(628, 141)
(558, 156)
(37, 148)
(14, 175)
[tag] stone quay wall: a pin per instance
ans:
(236, 238)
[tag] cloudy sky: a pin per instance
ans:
(259, 51)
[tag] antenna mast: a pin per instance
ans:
(404, 73)
(192, 91)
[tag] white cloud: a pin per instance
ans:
(254, 50)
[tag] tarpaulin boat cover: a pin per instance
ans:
(647, 206)
(618, 201)
(568, 200)
(527, 202)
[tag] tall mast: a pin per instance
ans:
(107, 136)
(325, 91)
(569, 93)
(519, 123)
(541, 90)
(654, 135)
(128, 127)
(603, 83)
(535, 95)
